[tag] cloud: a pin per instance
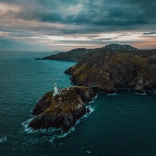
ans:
(73, 21)
(121, 13)
(149, 33)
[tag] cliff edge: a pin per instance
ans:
(113, 69)
(80, 53)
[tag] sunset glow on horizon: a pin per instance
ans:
(63, 25)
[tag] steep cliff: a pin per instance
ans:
(112, 69)
(62, 110)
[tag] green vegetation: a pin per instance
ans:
(108, 69)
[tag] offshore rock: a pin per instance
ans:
(62, 110)
(109, 70)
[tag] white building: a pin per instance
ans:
(55, 90)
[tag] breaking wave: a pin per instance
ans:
(3, 139)
(53, 133)
(112, 94)
(140, 93)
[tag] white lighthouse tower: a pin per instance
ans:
(55, 90)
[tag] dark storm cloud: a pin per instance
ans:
(121, 13)
(39, 16)
(118, 14)
(83, 18)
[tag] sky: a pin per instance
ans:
(62, 25)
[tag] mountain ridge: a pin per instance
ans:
(111, 70)
(79, 53)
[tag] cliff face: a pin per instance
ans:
(62, 110)
(80, 53)
(109, 70)
(100, 70)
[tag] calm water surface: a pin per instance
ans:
(120, 125)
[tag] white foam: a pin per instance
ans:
(73, 127)
(31, 130)
(53, 132)
(65, 134)
(25, 126)
(112, 94)
(90, 108)
(3, 139)
(154, 92)
(94, 98)
(91, 101)
(140, 93)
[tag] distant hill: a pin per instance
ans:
(79, 53)
(72, 55)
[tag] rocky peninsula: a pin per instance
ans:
(63, 109)
(98, 70)
(80, 53)
(108, 70)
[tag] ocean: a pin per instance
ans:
(123, 124)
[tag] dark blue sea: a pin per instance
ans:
(120, 125)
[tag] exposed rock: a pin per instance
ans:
(120, 47)
(62, 110)
(110, 70)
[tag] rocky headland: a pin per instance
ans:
(108, 70)
(62, 110)
(98, 70)
(80, 53)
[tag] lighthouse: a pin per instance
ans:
(55, 90)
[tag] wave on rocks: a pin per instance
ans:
(53, 132)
